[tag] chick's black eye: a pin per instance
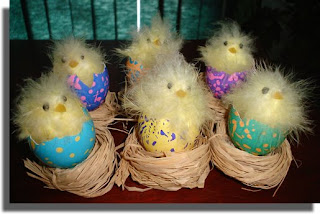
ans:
(265, 90)
(189, 88)
(82, 56)
(64, 98)
(148, 40)
(45, 106)
(169, 85)
(63, 59)
(225, 43)
(241, 45)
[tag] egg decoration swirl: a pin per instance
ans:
(50, 116)
(228, 56)
(146, 44)
(85, 69)
(265, 109)
(170, 103)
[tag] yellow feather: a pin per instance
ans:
(272, 98)
(43, 125)
(223, 51)
(74, 56)
(151, 41)
(172, 91)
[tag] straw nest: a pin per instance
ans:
(166, 170)
(163, 170)
(94, 176)
(264, 172)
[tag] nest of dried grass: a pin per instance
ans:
(94, 176)
(264, 172)
(163, 170)
(166, 170)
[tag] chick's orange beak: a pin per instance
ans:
(60, 108)
(73, 63)
(277, 95)
(181, 93)
(232, 50)
(156, 42)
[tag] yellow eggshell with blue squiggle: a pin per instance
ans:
(159, 135)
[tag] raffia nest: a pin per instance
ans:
(166, 170)
(94, 176)
(264, 172)
(163, 170)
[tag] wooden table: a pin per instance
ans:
(29, 59)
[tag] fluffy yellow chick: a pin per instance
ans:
(273, 99)
(229, 49)
(75, 56)
(47, 108)
(171, 92)
(151, 41)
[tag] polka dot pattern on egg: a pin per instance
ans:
(221, 82)
(67, 151)
(253, 136)
(92, 97)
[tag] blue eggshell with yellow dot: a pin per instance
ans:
(68, 151)
(157, 135)
(252, 136)
(91, 97)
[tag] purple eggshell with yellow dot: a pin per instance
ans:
(252, 136)
(68, 151)
(91, 97)
(221, 82)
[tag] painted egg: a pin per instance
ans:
(134, 70)
(68, 151)
(221, 82)
(158, 135)
(252, 136)
(91, 97)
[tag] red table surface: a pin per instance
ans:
(29, 59)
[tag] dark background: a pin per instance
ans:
(286, 34)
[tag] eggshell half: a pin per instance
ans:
(159, 135)
(68, 151)
(253, 136)
(134, 70)
(91, 97)
(221, 82)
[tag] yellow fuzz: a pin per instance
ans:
(171, 91)
(229, 49)
(74, 56)
(271, 97)
(151, 41)
(47, 108)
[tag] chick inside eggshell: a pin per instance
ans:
(271, 101)
(148, 43)
(172, 102)
(229, 50)
(52, 118)
(73, 56)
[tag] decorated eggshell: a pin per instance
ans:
(253, 136)
(91, 97)
(68, 151)
(158, 135)
(134, 70)
(221, 82)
